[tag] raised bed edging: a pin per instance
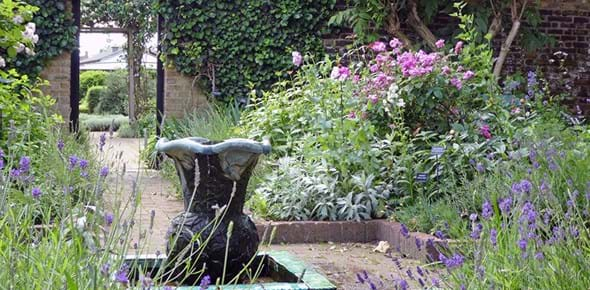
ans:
(417, 245)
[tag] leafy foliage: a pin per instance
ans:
(114, 100)
(56, 32)
(246, 43)
(90, 79)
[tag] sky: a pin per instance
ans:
(94, 42)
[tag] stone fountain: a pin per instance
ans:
(214, 177)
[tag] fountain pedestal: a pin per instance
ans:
(214, 178)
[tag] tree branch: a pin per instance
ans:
(392, 24)
(505, 49)
(418, 25)
(496, 24)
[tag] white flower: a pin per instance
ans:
(2, 62)
(20, 47)
(81, 223)
(18, 19)
(30, 26)
(29, 51)
(392, 94)
(35, 38)
(400, 103)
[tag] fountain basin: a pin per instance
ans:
(283, 271)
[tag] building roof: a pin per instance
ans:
(115, 58)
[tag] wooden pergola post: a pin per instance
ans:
(131, 76)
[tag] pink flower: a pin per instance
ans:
(459, 47)
(485, 132)
(460, 68)
(395, 43)
(356, 78)
(446, 70)
(373, 98)
(352, 115)
(340, 73)
(382, 58)
(377, 46)
(381, 80)
(457, 83)
(468, 75)
(374, 68)
(440, 43)
(297, 59)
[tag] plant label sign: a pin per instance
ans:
(422, 177)
(437, 151)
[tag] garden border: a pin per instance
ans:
(416, 245)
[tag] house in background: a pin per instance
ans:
(114, 58)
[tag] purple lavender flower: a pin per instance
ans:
(473, 217)
(60, 145)
(420, 271)
(108, 218)
(83, 163)
(539, 256)
(360, 278)
(418, 244)
(36, 192)
(574, 232)
(404, 231)
(453, 262)
(205, 282)
(403, 284)
(544, 187)
(410, 274)
(104, 171)
(516, 188)
(528, 212)
(84, 174)
(102, 141)
(439, 234)
(24, 165)
(146, 281)
(494, 237)
(526, 185)
(522, 243)
(14, 173)
(476, 232)
(486, 210)
(1, 159)
(505, 205)
(105, 269)
(480, 168)
(435, 282)
(421, 282)
(121, 275)
(72, 162)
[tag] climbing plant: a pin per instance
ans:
(56, 33)
(241, 44)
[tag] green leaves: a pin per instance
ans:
(246, 41)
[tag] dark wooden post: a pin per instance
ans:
(75, 72)
(159, 85)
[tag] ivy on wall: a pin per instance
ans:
(248, 43)
(56, 30)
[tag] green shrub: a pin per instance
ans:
(115, 98)
(127, 130)
(93, 96)
(102, 122)
(90, 79)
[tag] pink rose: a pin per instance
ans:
(297, 59)
(468, 75)
(440, 43)
(459, 47)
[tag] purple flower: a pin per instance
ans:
(404, 231)
(1, 159)
(480, 168)
(374, 68)
(505, 205)
(73, 161)
(486, 210)
(297, 58)
(574, 232)
(473, 217)
(526, 185)
(60, 145)
(14, 173)
(105, 269)
(435, 282)
(459, 47)
(24, 165)
(457, 83)
(395, 43)
(476, 232)
(340, 73)
(420, 271)
(360, 278)
(83, 163)
(378, 46)
(528, 213)
(104, 171)
(373, 99)
(108, 218)
(121, 275)
(84, 174)
(522, 243)
(352, 115)
(102, 141)
(205, 282)
(439, 234)
(36, 192)
(146, 282)
(403, 284)
(539, 256)
(453, 262)
(446, 70)
(440, 43)
(493, 237)
(418, 244)
(484, 130)
(468, 75)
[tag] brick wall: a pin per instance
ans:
(567, 21)
(57, 72)
(180, 96)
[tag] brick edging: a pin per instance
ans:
(417, 245)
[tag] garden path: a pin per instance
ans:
(338, 262)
